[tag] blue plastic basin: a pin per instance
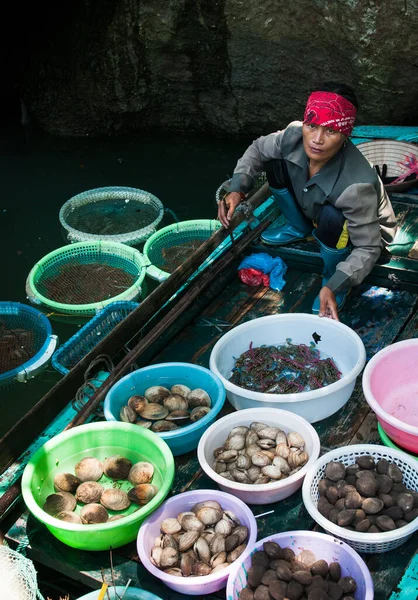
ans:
(182, 440)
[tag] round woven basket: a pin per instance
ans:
(169, 247)
(26, 342)
(81, 278)
(393, 154)
(117, 214)
(362, 542)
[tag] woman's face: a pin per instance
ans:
(321, 143)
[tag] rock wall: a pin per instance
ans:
(219, 67)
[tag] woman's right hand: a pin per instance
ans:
(227, 206)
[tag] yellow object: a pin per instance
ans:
(343, 239)
(102, 591)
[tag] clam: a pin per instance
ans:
(209, 515)
(281, 438)
(260, 460)
(89, 469)
(175, 572)
(272, 472)
(268, 432)
(169, 557)
(66, 482)
(154, 412)
(218, 559)
(145, 424)
(115, 499)
(178, 416)
(201, 568)
(242, 532)
(155, 556)
(295, 440)
(69, 517)
(88, 492)
(117, 467)
(282, 450)
(163, 425)
(202, 550)
(235, 442)
(127, 414)
(175, 402)
(156, 394)
(93, 513)
(239, 430)
(198, 397)
(115, 518)
(141, 472)
(170, 525)
(217, 543)
(169, 541)
(142, 493)
(211, 503)
(192, 523)
(59, 502)
(224, 527)
(243, 462)
(198, 413)
(188, 539)
(181, 389)
(297, 459)
(266, 443)
(236, 553)
(281, 464)
(137, 403)
(227, 456)
(220, 567)
(186, 564)
(183, 514)
(251, 438)
(240, 476)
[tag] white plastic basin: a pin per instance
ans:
(336, 340)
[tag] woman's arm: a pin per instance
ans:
(359, 205)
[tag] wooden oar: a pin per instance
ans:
(124, 366)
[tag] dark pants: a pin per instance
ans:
(331, 225)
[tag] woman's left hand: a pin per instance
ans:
(328, 304)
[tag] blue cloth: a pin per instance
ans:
(275, 267)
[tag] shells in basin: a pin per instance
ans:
(154, 412)
(163, 425)
(198, 397)
(115, 499)
(179, 417)
(175, 402)
(137, 403)
(142, 493)
(156, 393)
(181, 389)
(89, 469)
(66, 482)
(88, 492)
(198, 413)
(69, 517)
(141, 472)
(93, 513)
(59, 502)
(127, 414)
(117, 467)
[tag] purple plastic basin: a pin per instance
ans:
(323, 546)
(150, 529)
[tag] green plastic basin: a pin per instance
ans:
(64, 451)
(391, 444)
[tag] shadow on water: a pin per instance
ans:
(41, 172)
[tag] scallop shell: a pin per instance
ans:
(198, 413)
(198, 397)
(66, 482)
(117, 467)
(88, 492)
(93, 513)
(156, 394)
(154, 412)
(127, 414)
(89, 469)
(69, 517)
(179, 388)
(115, 499)
(163, 425)
(137, 403)
(59, 502)
(175, 402)
(142, 493)
(141, 472)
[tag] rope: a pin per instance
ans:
(82, 396)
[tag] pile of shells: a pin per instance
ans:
(277, 573)
(367, 496)
(162, 409)
(198, 542)
(96, 500)
(260, 454)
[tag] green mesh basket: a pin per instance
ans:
(114, 214)
(81, 278)
(169, 247)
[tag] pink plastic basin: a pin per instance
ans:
(324, 547)
(150, 529)
(390, 386)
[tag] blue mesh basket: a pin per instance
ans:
(26, 342)
(77, 347)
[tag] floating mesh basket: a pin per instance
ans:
(87, 338)
(81, 278)
(169, 247)
(117, 214)
(17, 576)
(26, 342)
(395, 155)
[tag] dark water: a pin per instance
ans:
(40, 172)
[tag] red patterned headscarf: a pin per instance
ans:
(330, 110)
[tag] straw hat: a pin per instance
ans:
(395, 155)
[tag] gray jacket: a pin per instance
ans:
(347, 181)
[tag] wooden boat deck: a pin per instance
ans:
(379, 315)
